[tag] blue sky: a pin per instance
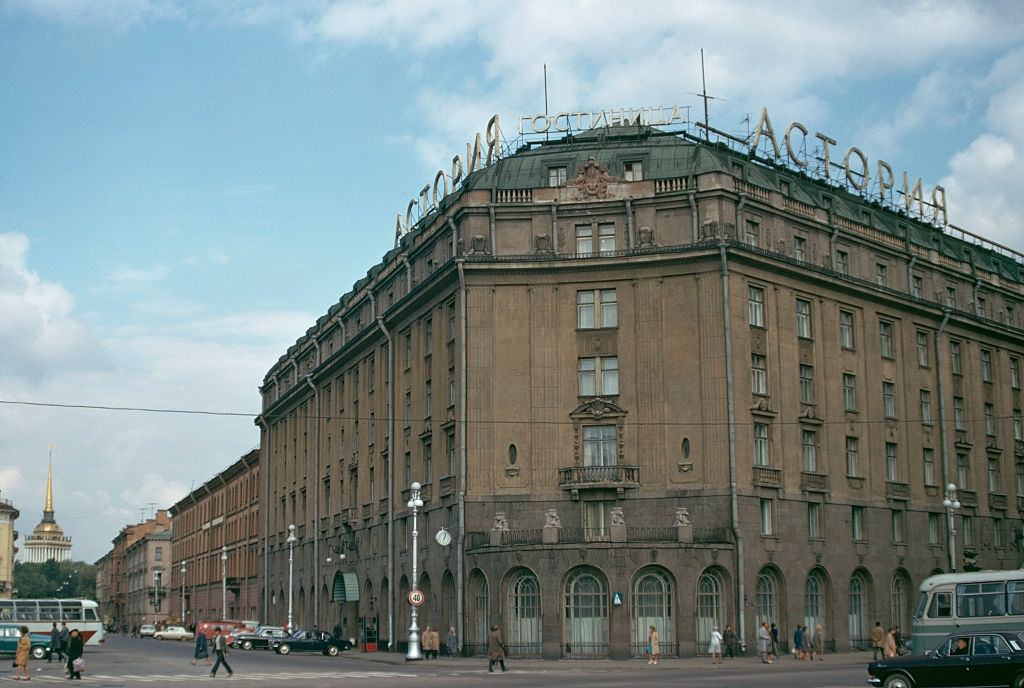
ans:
(185, 187)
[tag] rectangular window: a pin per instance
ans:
(596, 308)
(813, 520)
(158, 554)
(885, 338)
(599, 445)
(1020, 479)
(849, 392)
(928, 455)
(428, 393)
(842, 262)
(599, 376)
(889, 399)
(881, 274)
(892, 464)
(597, 518)
(766, 517)
(451, 386)
(958, 414)
(809, 441)
(428, 461)
(428, 337)
(1014, 372)
(407, 407)
(922, 349)
(990, 420)
(967, 526)
(606, 237)
(761, 444)
(963, 471)
(846, 329)
(806, 384)
(982, 310)
(449, 450)
(758, 374)
(451, 321)
(609, 308)
(585, 311)
(755, 306)
(584, 240)
(857, 523)
(917, 286)
(926, 406)
(951, 297)
(803, 318)
(998, 527)
(1018, 425)
(986, 365)
(753, 233)
(896, 519)
(407, 347)
(556, 176)
(634, 171)
(993, 474)
(955, 359)
(853, 457)
(934, 529)
(800, 248)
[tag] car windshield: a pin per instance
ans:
(922, 604)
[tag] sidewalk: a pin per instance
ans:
(751, 663)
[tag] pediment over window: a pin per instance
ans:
(761, 408)
(597, 409)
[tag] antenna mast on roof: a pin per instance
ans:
(545, 97)
(704, 95)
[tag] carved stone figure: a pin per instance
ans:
(646, 237)
(500, 522)
(592, 180)
(682, 516)
(542, 243)
(618, 518)
(479, 244)
(551, 519)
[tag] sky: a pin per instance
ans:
(186, 186)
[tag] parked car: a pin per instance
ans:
(228, 628)
(309, 641)
(966, 658)
(9, 635)
(147, 631)
(258, 639)
(174, 633)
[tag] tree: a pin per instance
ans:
(66, 579)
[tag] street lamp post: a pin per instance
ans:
(952, 504)
(183, 592)
(156, 594)
(414, 630)
(224, 582)
(291, 572)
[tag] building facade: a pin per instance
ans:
(8, 536)
(215, 546)
(646, 380)
(146, 565)
(47, 540)
(118, 581)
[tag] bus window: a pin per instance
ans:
(90, 614)
(71, 611)
(942, 606)
(1015, 597)
(49, 611)
(6, 611)
(980, 599)
(922, 605)
(25, 610)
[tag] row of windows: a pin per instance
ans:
(632, 171)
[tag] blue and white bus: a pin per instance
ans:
(950, 602)
(39, 616)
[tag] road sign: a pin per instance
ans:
(616, 599)
(416, 598)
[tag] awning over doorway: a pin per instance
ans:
(346, 587)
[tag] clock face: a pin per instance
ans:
(443, 537)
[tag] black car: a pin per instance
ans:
(309, 641)
(258, 639)
(968, 658)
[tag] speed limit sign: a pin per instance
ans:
(416, 598)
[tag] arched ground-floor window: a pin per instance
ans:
(710, 607)
(524, 615)
(586, 614)
(652, 606)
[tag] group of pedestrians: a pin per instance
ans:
(806, 646)
(887, 643)
(201, 650)
(68, 644)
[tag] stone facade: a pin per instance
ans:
(220, 514)
(8, 535)
(717, 394)
(146, 565)
(118, 582)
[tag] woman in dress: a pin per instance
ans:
(818, 644)
(76, 646)
(715, 648)
(21, 655)
(653, 645)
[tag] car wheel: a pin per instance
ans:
(38, 652)
(160, 638)
(1018, 682)
(247, 645)
(898, 681)
(284, 649)
(332, 650)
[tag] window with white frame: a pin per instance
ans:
(584, 239)
(1014, 372)
(1020, 479)
(951, 296)
(958, 414)
(922, 349)
(813, 520)
(600, 445)
(803, 318)
(857, 529)
(917, 286)
(842, 262)
(846, 329)
(889, 399)
(753, 233)
(885, 329)
(1018, 425)
(926, 406)
(759, 374)
(596, 308)
(599, 376)
(892, 464)
(934, 529)
(800, 248)
(990, 420)
(881, 274)
(993, 474)
(606, 237)
(853, 457)
(767, 526)
(998, 528)
(809, 442)
(967, 528)
(896, 518)
(597, 518)
(955, 358)
(633, 171)
(986, 365)
(556, 176)
(849, 392)
(963, 471)
(755, 306)
(761, 455)
(806, 384)
(928, 457)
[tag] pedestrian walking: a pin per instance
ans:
(715, 648)
(220, 651)
(890, 642)
(431, 642)
(653, 645)
(495, 650)
(775, 641)
(798, 642)
(452, 642)
(76, 646)
(818, 644)
(878, 640)
(21, 655)
(764, 643)
(201, 650)
(55, 644)
(898, 635)
(729, 641)
(65, 638)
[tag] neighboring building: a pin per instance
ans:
(113, 583)
(682, 389)
(47, 540)
(8, 535)
(146, 563)
(222, 513)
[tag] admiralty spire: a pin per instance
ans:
(47, 540)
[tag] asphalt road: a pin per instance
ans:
(133, 662)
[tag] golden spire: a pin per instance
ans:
(48, 508)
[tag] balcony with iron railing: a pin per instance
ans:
(594, 477)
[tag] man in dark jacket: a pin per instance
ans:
(65, 638)
(55, 645)
(729, 641)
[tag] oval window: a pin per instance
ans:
(513, 454)
(686, 447)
